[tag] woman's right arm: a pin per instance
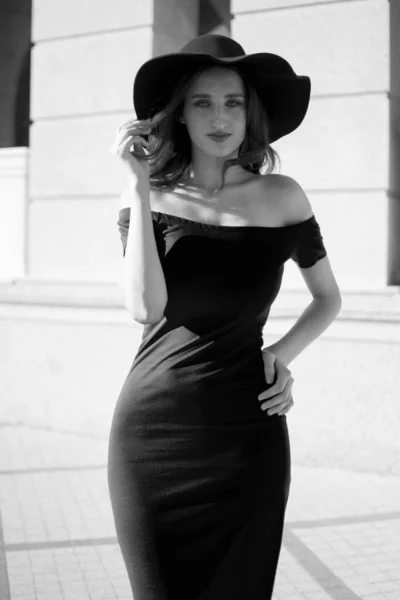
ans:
(143, 282)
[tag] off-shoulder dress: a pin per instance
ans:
(198, 474)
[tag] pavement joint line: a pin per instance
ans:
(318, 570)
(53, 430)
(290, 525)
(345, 520)
(45, 545)
(51, 469)
(5, 593)
(308, 560)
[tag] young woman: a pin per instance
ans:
(199, 454)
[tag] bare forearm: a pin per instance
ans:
(145, 290)
(313, 321)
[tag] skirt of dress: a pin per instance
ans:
(199, 511)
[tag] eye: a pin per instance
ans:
(203, 103)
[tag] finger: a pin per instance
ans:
(276, 389)
(275, 409)
(135, 122)
(282, 375)
(126, 130)
(140, 128)
(269, 375)
(138, 140)
(135, 141)
(119, 147)
(282, 406)
(277, 400)
(286, 409)
(129, 135)
(124, 127)
(139, 121)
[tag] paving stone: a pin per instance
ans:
(341, 539)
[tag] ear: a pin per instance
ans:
(181, 119)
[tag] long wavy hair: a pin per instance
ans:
(170, 149)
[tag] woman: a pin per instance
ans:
(199, 469)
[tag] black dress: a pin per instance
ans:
(198, 474)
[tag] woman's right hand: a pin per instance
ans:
(130, 133)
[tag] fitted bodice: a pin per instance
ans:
(216, 273)
(221, 282)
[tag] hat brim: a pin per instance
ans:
(285, 98)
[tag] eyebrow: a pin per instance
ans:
(199, 95)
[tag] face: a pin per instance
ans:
(215, 104)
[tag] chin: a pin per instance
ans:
(220, 150)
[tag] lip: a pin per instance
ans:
(219, 137)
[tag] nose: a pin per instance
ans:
(219, 120)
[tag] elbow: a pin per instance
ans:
(147, 320)
(337, 305)
(144, 317)
(337, 300)
(334, 300)
(143, 309)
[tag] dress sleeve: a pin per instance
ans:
(123, 227)
(308, 245)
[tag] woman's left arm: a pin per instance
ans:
(313, 321)
(318, 315)
(319, 279)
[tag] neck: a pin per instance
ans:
(206, 172)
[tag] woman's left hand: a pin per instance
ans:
(281, 391)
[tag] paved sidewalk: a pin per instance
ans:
(57, 537)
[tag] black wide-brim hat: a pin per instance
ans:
(284, 95)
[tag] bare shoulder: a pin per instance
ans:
(293, 201)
